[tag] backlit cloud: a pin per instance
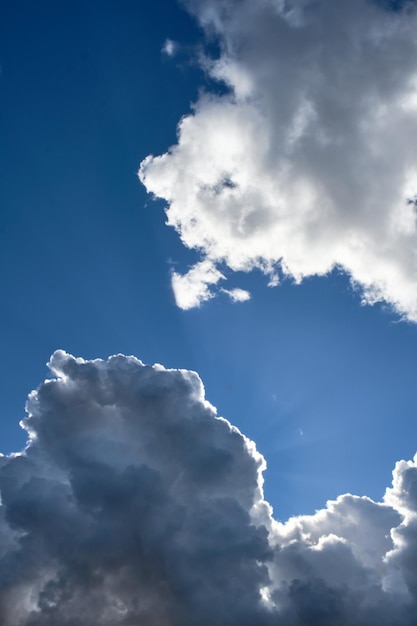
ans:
(194, 287)
(134, 503)
(308, 162)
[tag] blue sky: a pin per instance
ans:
(324, 385)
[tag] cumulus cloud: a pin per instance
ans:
(308, 162)
(133, 503)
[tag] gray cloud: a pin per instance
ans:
(134, 503)
(309, 162)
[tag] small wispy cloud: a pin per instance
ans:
(194, 287)
(237, 294)
(170, 47)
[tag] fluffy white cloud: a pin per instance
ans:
(192, 288)
(134, 503)
(309, 162)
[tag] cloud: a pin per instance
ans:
(237, 295)
(308, 162)
(192, 288)
(134, 503)
(169, 48)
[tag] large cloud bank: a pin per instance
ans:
(309, 161)
(134, 504)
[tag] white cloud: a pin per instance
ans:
(133, 503)
(309, 162)
(192, 288)
(237, 295)
(169, 48)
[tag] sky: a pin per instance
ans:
(228, 188)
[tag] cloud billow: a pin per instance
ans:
(308, 162)
(134, 503)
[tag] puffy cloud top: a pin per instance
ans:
(134, 503)
(308, 162)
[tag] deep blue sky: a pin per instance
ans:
(325, 386)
